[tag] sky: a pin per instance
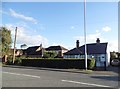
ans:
(61, 23)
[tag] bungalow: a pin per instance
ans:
(97, 50)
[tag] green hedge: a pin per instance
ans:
(58, 63)
(55, 58)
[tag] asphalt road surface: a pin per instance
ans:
(24, 77)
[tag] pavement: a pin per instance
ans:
(110, 70)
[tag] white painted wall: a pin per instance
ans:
(100, 57)
(71, 56)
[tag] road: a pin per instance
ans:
(24, 77)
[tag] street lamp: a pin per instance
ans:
(85, 34)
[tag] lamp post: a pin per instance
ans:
(85, 34)
(14, 45)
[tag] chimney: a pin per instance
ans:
(77, 44)
(98, 40)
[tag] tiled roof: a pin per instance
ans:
(56, 48)
(94, 48)
(74, 51)
(34, 50)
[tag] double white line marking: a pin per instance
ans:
(22, 74)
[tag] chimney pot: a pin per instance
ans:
(98, 40)
(77, 44)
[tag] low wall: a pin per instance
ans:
(62, 64)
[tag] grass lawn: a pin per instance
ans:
(87, 71)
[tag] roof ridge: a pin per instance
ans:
(63, 47)
(98, 43)
(59, 46)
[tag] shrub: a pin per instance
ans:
(9, 60)
(92, 63)
(49, 54)
(18, 60)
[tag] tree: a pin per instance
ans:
(49, 54)
(23, 46)
(6, 40)
(113, 55)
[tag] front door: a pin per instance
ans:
(98, 62)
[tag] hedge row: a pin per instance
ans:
(59, 63)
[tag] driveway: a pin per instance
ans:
(114, 69)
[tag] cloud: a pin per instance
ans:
(23, 37)
(97, 31)
(106, 29)
(91, 38)
(63, 45)
(21, 16)
(113, 45)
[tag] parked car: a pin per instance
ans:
(115, 62)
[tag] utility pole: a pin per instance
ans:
(14, 45)
(85, 34)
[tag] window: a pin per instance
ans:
(103, 57)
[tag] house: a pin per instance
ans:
(34, 51)
(18, 52)
(38, 51)
(97, 50)
(59, 50)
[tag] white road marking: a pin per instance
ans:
(97, 85)
(104, 75)
(22, 74)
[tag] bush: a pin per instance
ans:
(92, 63)
(18, 60)
(9, 60)
(49, 54)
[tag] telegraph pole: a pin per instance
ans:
(14, 45)
(85, 34)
